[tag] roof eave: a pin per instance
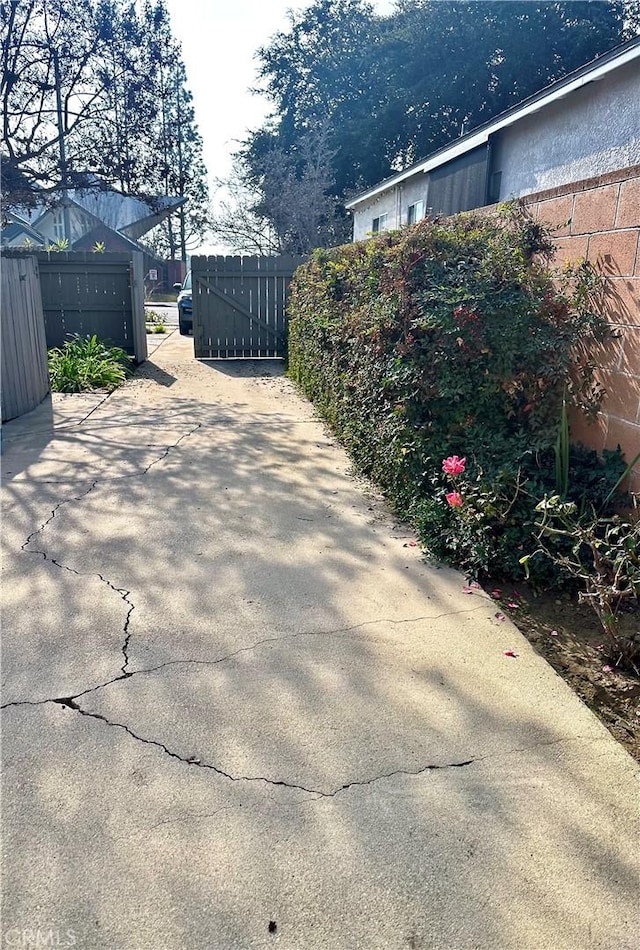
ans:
(586, 74)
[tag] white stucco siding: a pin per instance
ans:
(394, 202)
(595, 130)
(386, 203)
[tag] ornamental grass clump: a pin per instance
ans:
(445, 336)
(86, 364)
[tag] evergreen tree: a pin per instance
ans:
(180, 167)
(122, 144)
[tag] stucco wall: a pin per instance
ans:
(394, 202)
(603, 216)
(594, 130)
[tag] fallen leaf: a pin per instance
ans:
(510, 653)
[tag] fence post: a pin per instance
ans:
(137, 308)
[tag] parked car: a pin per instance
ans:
(185, 305)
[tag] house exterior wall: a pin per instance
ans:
(457, 186)
(79, 222)
(593, 131)
(363, 218)
(604, 227)
(461, 184)
(393, 202)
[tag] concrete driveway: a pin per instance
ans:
(241, 712)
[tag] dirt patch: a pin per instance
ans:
(569, 636)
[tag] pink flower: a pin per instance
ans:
(510, 653)
(454, 498)
(453, 465)
(607, 669)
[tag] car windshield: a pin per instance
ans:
(187, 282)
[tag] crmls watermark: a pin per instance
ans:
(27, 938)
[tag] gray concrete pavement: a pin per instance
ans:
(235, 695)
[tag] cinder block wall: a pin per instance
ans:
(599, 219)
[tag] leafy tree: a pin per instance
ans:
(326, 72)
(393, 89)
(94, 94)
(482, 58)
(49, 90)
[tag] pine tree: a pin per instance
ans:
(177, 143)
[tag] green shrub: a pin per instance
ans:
(451, 337)
(493, 529)
(84, 364)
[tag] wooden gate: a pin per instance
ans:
(239, 306)
(88, 293)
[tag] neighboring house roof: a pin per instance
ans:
(110, 217)
(113, 240)
(19, 228)
(123, 213)
(588, 73)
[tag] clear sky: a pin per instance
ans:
(219, 39)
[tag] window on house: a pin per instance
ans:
(380, 223)
(58, 224)
(415, 212)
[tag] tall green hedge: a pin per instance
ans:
(450, 337)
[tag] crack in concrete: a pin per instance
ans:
(69, 703)
(127, 674)
(315, 794)
(65, 501)
(121, 591)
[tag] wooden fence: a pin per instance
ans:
(25, 377)
(239, 306)
(89, 293)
